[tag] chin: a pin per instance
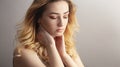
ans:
(58, 34)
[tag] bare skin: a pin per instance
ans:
(57, 54)
(53, 24)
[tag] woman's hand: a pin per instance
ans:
(44, 37)
(66, 59)
(60, 45)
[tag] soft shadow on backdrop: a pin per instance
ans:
(98, 40)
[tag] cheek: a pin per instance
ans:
(66, 22)
(48, 24)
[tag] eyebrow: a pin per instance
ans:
(58, 13)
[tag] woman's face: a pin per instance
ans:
(55, 18)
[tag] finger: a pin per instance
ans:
(59, 39)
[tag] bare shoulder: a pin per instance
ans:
(26, 58)
(23, 52)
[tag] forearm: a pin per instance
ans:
(68, 61)
(55, 60)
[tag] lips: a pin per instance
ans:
(59, 30)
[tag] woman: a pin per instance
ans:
(46, 36)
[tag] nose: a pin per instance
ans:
(60, 22)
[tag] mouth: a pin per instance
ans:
(60, 30)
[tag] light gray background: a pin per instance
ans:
(98, 41)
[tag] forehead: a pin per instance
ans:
(58, 7)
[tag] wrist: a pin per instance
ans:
(64, 54)
(50, 46)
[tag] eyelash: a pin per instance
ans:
(65, 17)
(52, 17)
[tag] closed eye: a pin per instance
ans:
(65, 17)
(52, 17)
